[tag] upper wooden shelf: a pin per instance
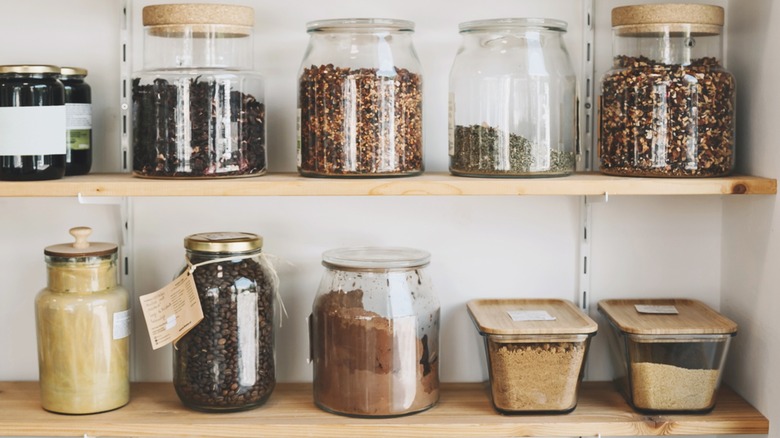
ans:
(464, 410)
(438, 184)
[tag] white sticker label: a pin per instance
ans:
(530, 315)
(656, 310)
(451, 128)
(300, 139)
(78, 115)
(33, 130)
(121, 324)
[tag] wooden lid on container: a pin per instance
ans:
(81, 247)
(693, 317)
(522, 317)
(646, 19)
(171, 20)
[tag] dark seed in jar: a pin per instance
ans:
(667, 120)
(227, 361)
(360, 122)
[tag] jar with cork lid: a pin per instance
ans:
(667, 105)
(198, 107)
(83, 325)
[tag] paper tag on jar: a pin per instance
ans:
(530, 315)
(656, 309)
(172, 311)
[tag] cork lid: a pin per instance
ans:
(529, 317)
(666, 317)
(234, 20)
(646, 19)
(223, 242)
(81, 247)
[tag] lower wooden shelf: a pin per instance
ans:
(464, 411)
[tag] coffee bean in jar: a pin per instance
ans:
(226, 363)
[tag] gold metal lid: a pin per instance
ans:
(29, 69)
(646, 19)
(81, 247)
(73, 71)
(529, 317)
(223, 242)
(185, 14)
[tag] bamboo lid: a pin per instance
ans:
(81, 247)
(529, 317)
(646, 19)
(692, 318)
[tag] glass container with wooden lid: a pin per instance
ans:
(668, 353)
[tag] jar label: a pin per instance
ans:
(32, 130)
(530, 315)
(172, 311)
(121, 324)
(78, 115)
(299, 138)
(451, 129)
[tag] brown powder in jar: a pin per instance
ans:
(367, 365)
(660, 386)
(535, 376)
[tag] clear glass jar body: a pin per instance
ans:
(512, 100)
(375, 333)
(667, 105)
(78, 110)
(82, 319)
(360, 100)
(227, 362)
(198, 110)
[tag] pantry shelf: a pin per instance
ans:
(464, 410)
(436, 184)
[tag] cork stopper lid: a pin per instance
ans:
(688, 18)
(81, 247)
(658, 317)
(529, 317)
(233, 20)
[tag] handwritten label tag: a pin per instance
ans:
(172, 311)
(530, 315)
(656, 310)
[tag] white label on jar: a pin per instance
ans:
(300, 139)
(32, 130)
(78, 115)
(121, 324)
(530, 315)
(451, 128)
(656, 310)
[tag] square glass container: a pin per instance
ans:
(536, 350)
(668, 353)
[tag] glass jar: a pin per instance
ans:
(667, 104)
(78, 112)
(198, 112)
(226, 362)
(32, 123)
(83, 325)
(374, 333)
(360, 100)
(512, 100)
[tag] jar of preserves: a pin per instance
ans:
(78, 121)
(667, 104)
(512, 100)
(226, 362)
(83, 325)
(32, 123)
(360, 100)
(375, 333)
(198, 109)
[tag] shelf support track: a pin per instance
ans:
(586, 99)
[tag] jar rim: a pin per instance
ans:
(360, 24)
(29, 69)
(73, 71)
(375, 258)
(223, 242)
(514, 23)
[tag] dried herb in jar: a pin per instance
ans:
(360, 122)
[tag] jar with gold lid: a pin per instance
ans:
(83, 326)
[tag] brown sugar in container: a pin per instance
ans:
(536, 350)
(668, 353)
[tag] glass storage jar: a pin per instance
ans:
(83, 325)
(227, 362)
(667, 104)
(374, 333)
(32, 123)
(198, 110)
(360, 100)
(512, 100)
(78, 122)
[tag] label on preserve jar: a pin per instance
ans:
(172, 311)
(32, 130)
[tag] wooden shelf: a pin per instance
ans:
(438, 184)
(464, 410)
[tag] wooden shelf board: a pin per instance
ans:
(464, 410)
(438, 184)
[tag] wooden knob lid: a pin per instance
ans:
(81, 247)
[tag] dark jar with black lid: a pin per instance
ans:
(32, 123)
(78, 123)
